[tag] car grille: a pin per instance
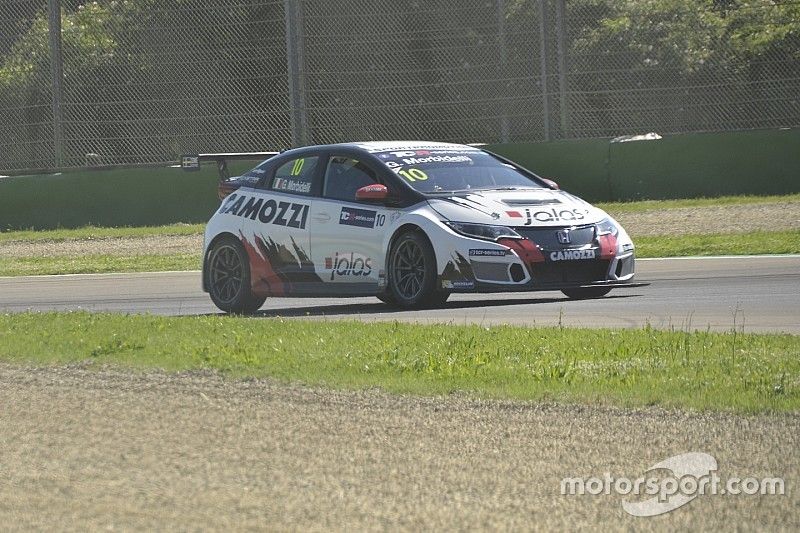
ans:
(485, 271)
(547, 238)
(569, 272)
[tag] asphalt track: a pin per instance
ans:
(752, 293)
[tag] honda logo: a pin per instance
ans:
(563, 236)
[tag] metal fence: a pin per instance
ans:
(116, 82)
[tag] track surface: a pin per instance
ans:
(690, 292)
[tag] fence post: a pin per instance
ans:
(562, 67)
(501, 30)
(57, 74)
(295, 60)
(543, 68)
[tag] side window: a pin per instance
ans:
(254, 175)
(344, 176)
(296, 176)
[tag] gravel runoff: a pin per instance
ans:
(735, 218)
(109, 449)
(675, 221)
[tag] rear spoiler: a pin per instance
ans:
(191, 162)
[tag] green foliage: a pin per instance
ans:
(655, 33)
(699, 370)
(686, 34)
(86, 37)
(29, 57)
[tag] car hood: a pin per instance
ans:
(536, 207)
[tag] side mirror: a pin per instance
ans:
(373, 193)
(550, 183)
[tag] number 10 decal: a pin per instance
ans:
(297, 168)
(413, 174)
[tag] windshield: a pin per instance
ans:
(434, 171)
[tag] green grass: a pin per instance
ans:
(95, 264)
(700, 370)
(784, 242)
(93, 232)
(778, 242)
(649, 205)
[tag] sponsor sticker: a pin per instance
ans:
(553, 215)
(413, 149)
(436, 159)
(481, 252)
(457, 284)
(284, 184)
(363, 218)
(344, 264)
(267, 211)
(572, 255)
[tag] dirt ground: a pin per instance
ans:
(676, 221)
(114, 450)
(744, 218)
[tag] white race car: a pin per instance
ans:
(407, 222)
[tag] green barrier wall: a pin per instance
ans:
(758, 162)
(119, 197)
(580, 167)
(677, 166)
(698, 165)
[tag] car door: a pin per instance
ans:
(346, 234)
(275, 228)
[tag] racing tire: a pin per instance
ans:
(412, 273)
(228, 278)
(387, 298)
(585, 293)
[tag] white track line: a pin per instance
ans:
(681, 258)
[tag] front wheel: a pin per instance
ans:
(412, 272)
(228, 278)
(585, 293)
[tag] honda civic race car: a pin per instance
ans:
(407, 222)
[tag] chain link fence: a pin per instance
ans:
(125, 82)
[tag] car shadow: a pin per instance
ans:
(384, 309)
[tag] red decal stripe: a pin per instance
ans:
(526, 250)
(263, 278)
(608, 246)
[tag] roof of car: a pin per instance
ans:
(375, 147)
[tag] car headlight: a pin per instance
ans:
(606, 227)
(483, 231)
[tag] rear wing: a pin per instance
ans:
(192, 162)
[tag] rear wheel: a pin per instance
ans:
(412, 272)
(387, 298)
(228, 278)
(585, 293)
